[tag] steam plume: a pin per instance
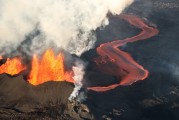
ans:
(79, 71)
(68, 24)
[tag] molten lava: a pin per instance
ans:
(12, 66)
(49, 68)
(122, 64)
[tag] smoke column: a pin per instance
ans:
(67, 24)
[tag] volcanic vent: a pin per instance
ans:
(48, 84)
(50, 67)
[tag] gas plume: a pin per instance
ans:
(79, 71)
(68, 24)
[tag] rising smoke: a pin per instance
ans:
(79, 71)
(67, 24)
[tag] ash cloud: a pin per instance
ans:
(67, 24)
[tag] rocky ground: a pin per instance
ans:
(21, 100)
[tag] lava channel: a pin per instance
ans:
(116, 62)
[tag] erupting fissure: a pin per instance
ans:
(48, 68)
(124, 66)
(12, 66)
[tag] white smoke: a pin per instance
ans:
(68, 24)
(79, 71)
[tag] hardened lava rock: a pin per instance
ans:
(21, 100)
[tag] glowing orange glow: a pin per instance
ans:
(0, 57)
(49, 68)
(12, 66)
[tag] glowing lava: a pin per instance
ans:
(49, 68)
(12, 66)
(122, 64)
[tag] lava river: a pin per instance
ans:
(116, 62)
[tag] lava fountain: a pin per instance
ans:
(49, 68)
(123, 65)
(12, 66)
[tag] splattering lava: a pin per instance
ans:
(12, 66)
(123, 65)
(49, 68)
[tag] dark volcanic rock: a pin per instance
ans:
(21, 100)
(16, 92)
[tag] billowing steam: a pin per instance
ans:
(68, 24)
(79, 71)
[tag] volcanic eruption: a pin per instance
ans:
(41, 47)
(12, 66)
(62, 24)
(51, 67)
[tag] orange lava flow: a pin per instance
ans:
(12, 66)
(49, 68)
(116, 62)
